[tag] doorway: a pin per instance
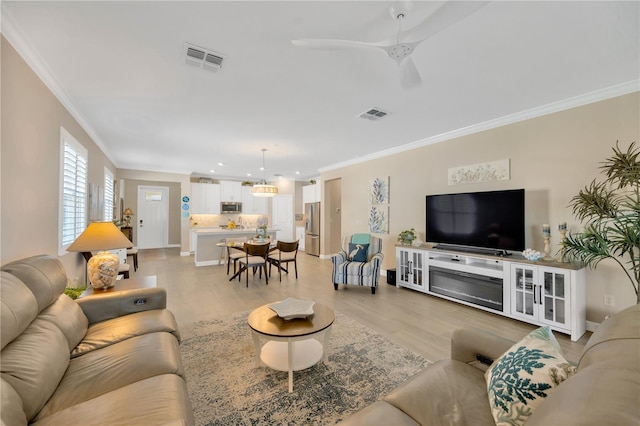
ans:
(152, 222)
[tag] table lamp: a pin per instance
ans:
(102, 268)
(127, 215)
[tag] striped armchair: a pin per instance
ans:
(348, 271)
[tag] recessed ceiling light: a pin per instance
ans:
(248, 174)
(220, 164)
(212, 171)
(297, 172)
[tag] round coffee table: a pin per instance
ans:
(291, 344)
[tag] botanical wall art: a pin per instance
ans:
(379, 191)
(483, 172)
(379, 205)
(379, 219)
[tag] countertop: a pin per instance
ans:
(210, 231)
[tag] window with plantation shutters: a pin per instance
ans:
(73, 189)
(109, 185)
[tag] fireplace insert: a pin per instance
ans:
(472, 288)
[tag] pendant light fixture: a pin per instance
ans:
(262, 189)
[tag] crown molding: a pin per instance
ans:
(20, 43)
(573, 102)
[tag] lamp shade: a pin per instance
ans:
(128, 212)
(100, 236)
(264, 190)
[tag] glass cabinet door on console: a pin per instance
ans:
(555, 297)
(523, 295)
(410, 268)
(541, 294)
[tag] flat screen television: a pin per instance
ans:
(487, 220)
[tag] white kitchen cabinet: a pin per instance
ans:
(310, 194)
(230, 191)
(300, 232)
(205, 198)
(252, 204)
(411, 268)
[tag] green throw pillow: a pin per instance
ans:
(519, 380)
(358, 252)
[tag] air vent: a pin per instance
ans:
(373, 114)
(202, 58)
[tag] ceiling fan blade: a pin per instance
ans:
(409, 74)
(330, 44)
(448, 14)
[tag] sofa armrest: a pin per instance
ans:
(478, 348)
(124, 302)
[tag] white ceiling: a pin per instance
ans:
(119, 67)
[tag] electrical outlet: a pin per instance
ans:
(609, 300)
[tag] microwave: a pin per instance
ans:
(230, 207)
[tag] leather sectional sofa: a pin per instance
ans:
(605, 390)
(111, 360)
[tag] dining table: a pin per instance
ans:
(240, 246)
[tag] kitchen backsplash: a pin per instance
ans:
(217, 220)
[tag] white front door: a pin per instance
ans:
(282, 216)
(152, 221)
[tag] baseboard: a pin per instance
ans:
(591, 326)
(185, 253)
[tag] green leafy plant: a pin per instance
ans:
(74, 293)
(610, 210)
(407, 236)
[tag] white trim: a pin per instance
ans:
(11, 31)
(185, 253)
(591, 326)
(562, 105)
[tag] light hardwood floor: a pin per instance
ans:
(414, 320)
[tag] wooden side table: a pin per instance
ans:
(130, 284)
(128, 232)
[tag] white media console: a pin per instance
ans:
(541, 293)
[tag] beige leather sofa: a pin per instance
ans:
(604, 391)
(112, 359)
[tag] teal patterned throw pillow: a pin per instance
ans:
(522, 377)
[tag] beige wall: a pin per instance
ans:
(552, 157)
(30, 151)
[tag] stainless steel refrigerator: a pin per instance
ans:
(312, 231)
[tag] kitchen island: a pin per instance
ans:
(206, 250)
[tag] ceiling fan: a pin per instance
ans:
(405, 43)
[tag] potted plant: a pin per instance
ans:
(611, 212)
(407, 236)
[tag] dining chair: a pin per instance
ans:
(255, 257)
(234, 253)
(284, 252)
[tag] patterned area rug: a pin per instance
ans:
(226, 387)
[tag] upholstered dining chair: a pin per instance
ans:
(233, 255)
(285, 252)
(255, 257)
(358, 262)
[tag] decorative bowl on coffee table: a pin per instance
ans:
(291, 308)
